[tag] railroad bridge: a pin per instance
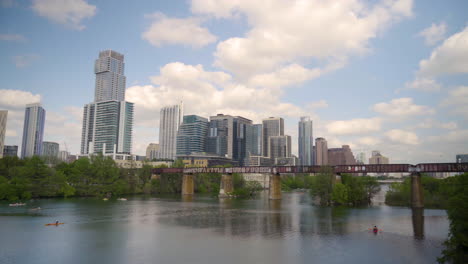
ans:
(226, 185)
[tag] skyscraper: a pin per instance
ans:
(50, 151)
(321, 151)
(152, 151)
(228, 136)
(3, 122)
(341, 156)
(377, 158)
(33, 130)
(255, 140)
(306, 142)
(272, 126)
(110, 78)
(280, 147)
(192, 135)
(10, 151)
(170, 119)
(108, 121)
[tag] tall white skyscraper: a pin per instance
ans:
(33, 130)
(306, 142)
(110, 78)
(3, 122)
(108, 121)
(171, 117)
(272, 126)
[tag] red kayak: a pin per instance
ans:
(54, 224)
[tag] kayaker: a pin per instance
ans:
(56, 222)
(375, 230)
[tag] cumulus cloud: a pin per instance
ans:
(431, 123)
(17, 99)
(402, 136)
(12, 37)
(457, 100)
(187, 31)
(25, 60)
(451, 57)
(354, 126)
(434, 33)
(66, 12)
(368, 141)
(424, 84)
(323, 32)
(401, 108)
(289, 75)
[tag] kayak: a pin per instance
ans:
(54, 224)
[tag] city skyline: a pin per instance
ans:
(385, 85)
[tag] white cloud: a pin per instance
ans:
(434, 33)
(17, 99)
(431, 123)
(165, 30)
(289, 75)
(402, 136)
(66, 12)
(457, 100)
(354, 126)
(12, 37)
(368, 141)
(401, 108)
(318, 104)
(424, 84)
(322, 32)
(451, 57)
(22, 61)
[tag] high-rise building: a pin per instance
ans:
(152, 151)
(50, 151)
(3, 122)
(280, 147)
(107, 128)
(272, 126)
(228, 137)
(33, 130)
(63, 155)
(361, 158)
(462, 158)
(10, 151)
(110, 78)
(321, 151)
(341, 156)
(377, 158)
(108, 121)
(170, 119)
(192, 135)
(306, 142)
(255, 148)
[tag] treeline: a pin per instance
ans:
(352, 190)
(23, 179)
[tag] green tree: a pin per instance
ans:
(322, 185)
(340, 194)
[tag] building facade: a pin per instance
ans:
(341, 156)
(108, 121)
(171, 118)
(50, 149)
(228, 137)
(378, 158)
(3, 123)
(152, 151)
(110, 78)
(107, 128)
(256, 135)
(33, 130)
(63, 155)
(192, 135)
(321, 151)
(305, 142)
(361, 158)
(272, 126)
(10, 151)
(280, 147)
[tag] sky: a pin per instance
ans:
(388, 75)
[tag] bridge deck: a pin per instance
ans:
(380, 168)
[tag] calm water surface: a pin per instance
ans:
(209, 230)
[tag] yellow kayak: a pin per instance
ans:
(54, 224)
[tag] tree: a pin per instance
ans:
(340, 194)
(322, 185)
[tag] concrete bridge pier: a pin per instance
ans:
(417, 199)
(187, 184)
(418, 222)
(227, 185)
(275, 186)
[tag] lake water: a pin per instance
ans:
(208, 230)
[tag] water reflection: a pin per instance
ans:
(418, 222)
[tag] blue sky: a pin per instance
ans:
(353, 66)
